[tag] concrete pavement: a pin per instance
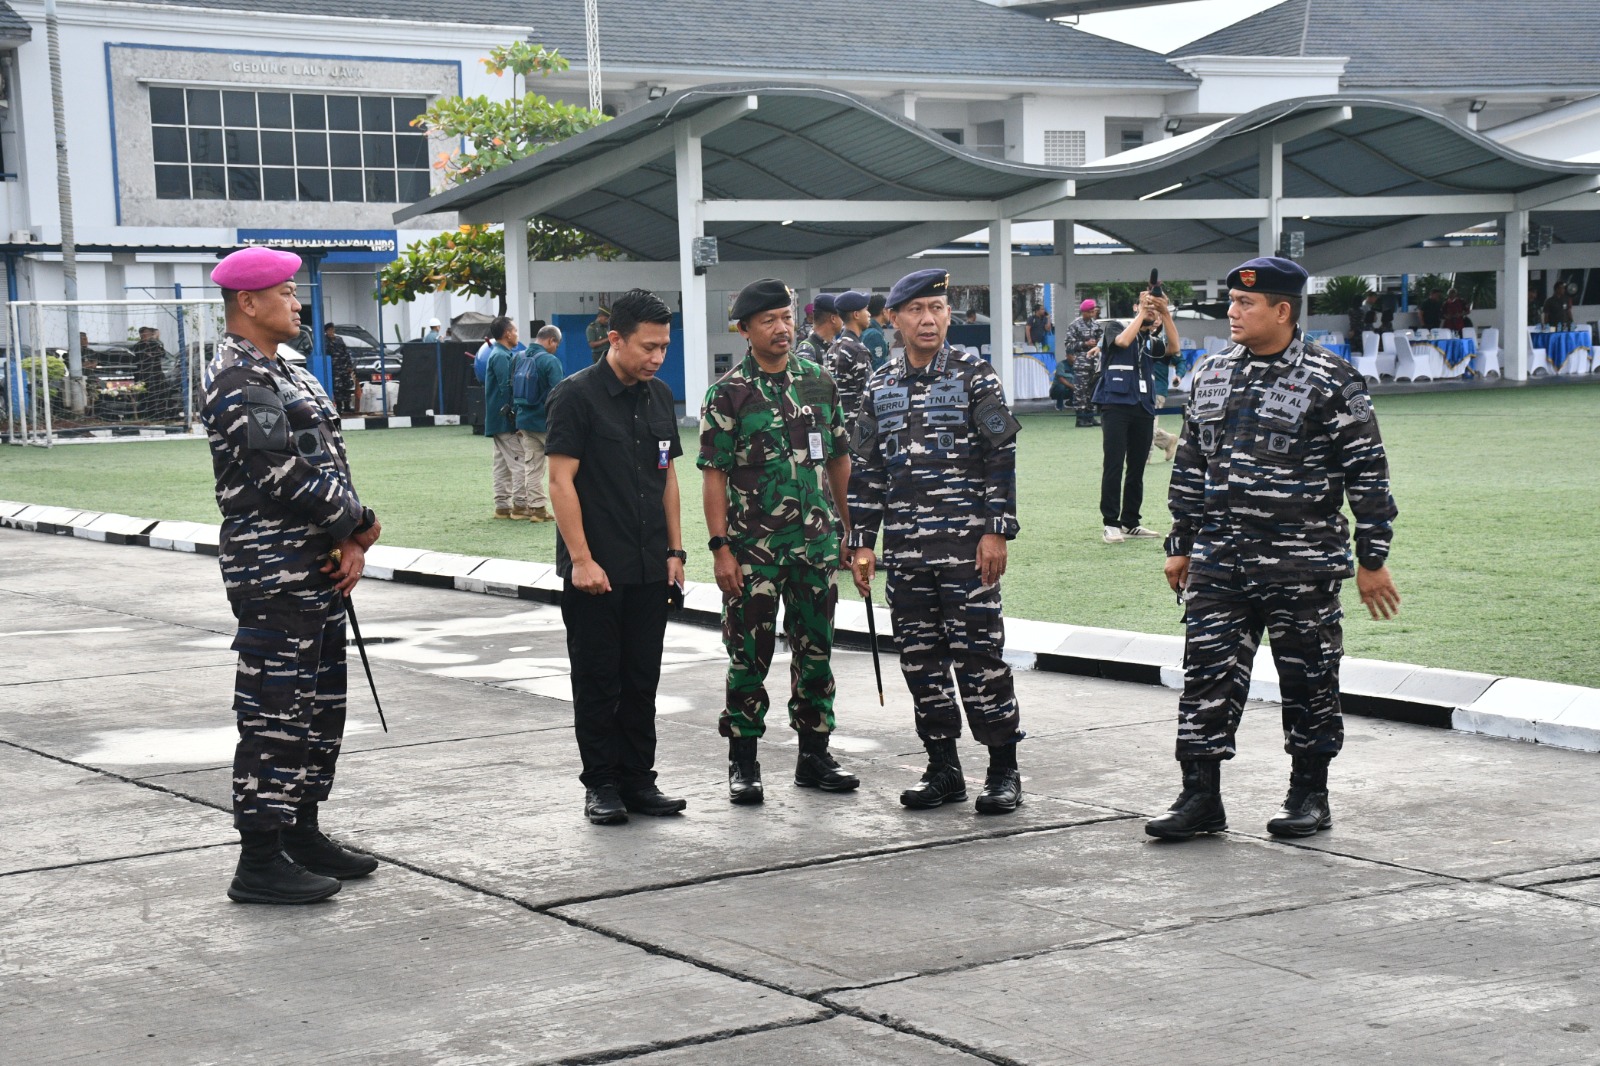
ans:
(1448, 917)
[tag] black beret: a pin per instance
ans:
(848, 302)
(823, 305)
(768, 294)
(1281, 277)
(875, 305)
(933, 282)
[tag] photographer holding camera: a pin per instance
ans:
(1126, 395)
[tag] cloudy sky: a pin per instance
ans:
(1165, 27)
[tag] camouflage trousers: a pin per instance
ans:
(749, 632)
(947, 621)
(289, 700)
(1224, 624)
(1085, 374)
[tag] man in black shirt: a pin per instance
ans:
(619, 550)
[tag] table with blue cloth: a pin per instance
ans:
(1341, 350)
(1456, 350)
(1560, 344)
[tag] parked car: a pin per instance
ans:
(364, 353)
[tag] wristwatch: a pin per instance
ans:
(1372, 562)
(718, 543)
(678, 554)
(368, 520)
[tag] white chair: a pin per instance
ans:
(1412, 364)
(1538, 358)
(1487, 361)
(1442, 335)
(1335, 337)
(1386, 342)
(1366, 360)
(1469, 333)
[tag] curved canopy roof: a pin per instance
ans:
(1353, 163)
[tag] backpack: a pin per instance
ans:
(528, 386)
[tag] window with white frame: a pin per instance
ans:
(247, 144)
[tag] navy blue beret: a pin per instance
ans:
(1281, 277)
(849, 302)
(768, 294)
(823, 304)
(932, 282)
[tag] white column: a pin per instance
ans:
(1271, 190)
(1000, 306)
(696, 350)
(519, 301)
(1513, 293)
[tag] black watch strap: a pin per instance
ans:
(678, 554)
(717, 543)
(368, 520)
(1372, 562)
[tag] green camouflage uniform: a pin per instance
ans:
(773, 434)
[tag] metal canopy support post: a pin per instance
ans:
(1271, 189)
(1513, 290)
(692, 284)
(1000, 356)
(519, 302)
(318, 364)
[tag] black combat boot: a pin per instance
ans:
(648, 799)
(306, 845)
(941, 781)
(1198, 808)
(1305, 808)
(744, 773)
(1002, 786)
(266, 875)
(602, 805)
(815, 768)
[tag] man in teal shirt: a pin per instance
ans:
(500, 424)
(531, 415)
(876, 340)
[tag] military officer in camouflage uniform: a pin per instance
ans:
(287, 501)
(848, 361)
(1277, 434)
(770, 431)
(1080, 345)
(824, 328)
(934, 452)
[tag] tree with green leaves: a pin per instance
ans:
(470, 261)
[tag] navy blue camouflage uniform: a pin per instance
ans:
(1270, 450)
(284, 489)
(934, 466)
(849, 363)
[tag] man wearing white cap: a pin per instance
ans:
(293, 543)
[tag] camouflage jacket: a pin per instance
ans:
(1270, 450)
(935, 457)
(772, 434)
(813, 347)
(849, 363)
(283, 485)
(1078, 337)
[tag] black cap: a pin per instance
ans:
(823, 305)
(849, 302)
(765, 295)
(932, 282)
(1281, 277)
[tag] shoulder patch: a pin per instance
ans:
(1361, 407)
(1354, 387)
(266, 421)
(996, 422)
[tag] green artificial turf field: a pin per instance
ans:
(1494, 548)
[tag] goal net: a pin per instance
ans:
(135, 367)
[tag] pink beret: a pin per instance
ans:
(1087, 305)
(250, 269)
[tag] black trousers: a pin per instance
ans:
(1127, 430)
(614, 643)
